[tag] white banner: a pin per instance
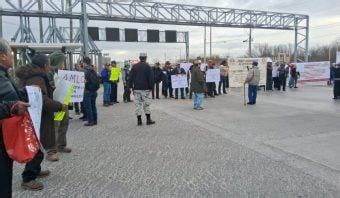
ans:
(35, 109)
(238, 70)
(179, 81)
(203, 66)
(213, 75)
(78, 79)
(186, 66)
(337, 57)
(314, 71)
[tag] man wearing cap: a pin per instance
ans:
(253, 80)
(57, 60)
(114, 78)
(141, 83)
(125, 78)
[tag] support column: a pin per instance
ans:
(187, 46)
(250, 39)
(85, 33)
(1, 26)
(296, 42)
(41, 29)
(210, 42)
(307, 40)
(205, 44)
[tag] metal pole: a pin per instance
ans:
(295, 42)
(187, 46)
(205, 43)
(210, 43)
(85, 32)
(307, 40)
(250, 55)
(41, 29)
(0, 26)
(71, 21)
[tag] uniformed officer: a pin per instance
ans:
(141, 83)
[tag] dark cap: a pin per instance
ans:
(255, 63)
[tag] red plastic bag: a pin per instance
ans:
(19, 138)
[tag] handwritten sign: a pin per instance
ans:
(78, 80)
(213, 75)
(179, 81)
(35, 109)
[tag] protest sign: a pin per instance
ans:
(179, 81)
(213, 75)
(78, 80)
(186, 66)
(238, 70)
(35, 110)
(337, 57)
(63, 94)
(203, 66)
(314, 71)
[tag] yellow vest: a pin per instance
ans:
(115, 73)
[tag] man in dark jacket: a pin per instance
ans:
(141, 84)
(158, 75)
(167, 86)
(197, 85)
(125, 79)
(8, 97)
(90, 95)
(282, 77)
(179, 71)
(105, 75)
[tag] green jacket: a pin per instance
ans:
(197, 80)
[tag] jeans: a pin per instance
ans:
(292, 82)
(252, 93)
(198, 99)
(127, 93)
(182, 92)
(222, 84)
(107, 92)
(155, 88)
(90, 105)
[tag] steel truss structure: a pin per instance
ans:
(159, 13)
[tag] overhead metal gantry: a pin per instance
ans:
(160, 13)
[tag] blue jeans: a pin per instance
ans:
(90, 106)
(107, 92)
(252, 93)
(198, 99)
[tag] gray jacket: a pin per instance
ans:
(253, 77)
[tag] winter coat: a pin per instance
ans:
(141, 77)
(125, 76)
(178, 71)
(197, 80)
(29, 75)
(253, 77)
(104, 74)
(158, 74)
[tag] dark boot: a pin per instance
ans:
(148, 120)
(139, 118)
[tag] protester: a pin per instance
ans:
(269, 83)
(224, 78)
(92, 84)
(141, 84)
(105, 76)
(197, 85)
(9, 98)
(275, 74)
(114, 78)
(211, 86)
(126, 78)
(336, 88)
(82, 106)
(166, 82)
(282, 77)
(158, 76)
(293, 76)
(36, 74)
(253, 80)
(179, 71)
(61, 127)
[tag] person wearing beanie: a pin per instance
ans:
(141, 84)
(126, 78)
(253, 80)
(57, 60)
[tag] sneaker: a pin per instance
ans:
(150, 122)
(52, 157)
(44, 173)
(32, 185)
(199, 108)
(64, 150)
(90, 124)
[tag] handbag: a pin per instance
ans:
(19, 138)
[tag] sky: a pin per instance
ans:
(324, 30)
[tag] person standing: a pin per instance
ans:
(158, 75)
(293, 76)
(167, 86)
(224, 77)
(126, 78)
(269, 83)
(141, 84)
(275, 75)
(179, 71)
(61, 127)
(35, 74)
(114, 78)
(336, 88)
(105, 76)
(211, 86)
(253, 80)
(10, 105)
(92, 84)
(282, 77)
(197, 85)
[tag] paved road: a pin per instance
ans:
(286, 146)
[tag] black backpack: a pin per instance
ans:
(93, 81)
